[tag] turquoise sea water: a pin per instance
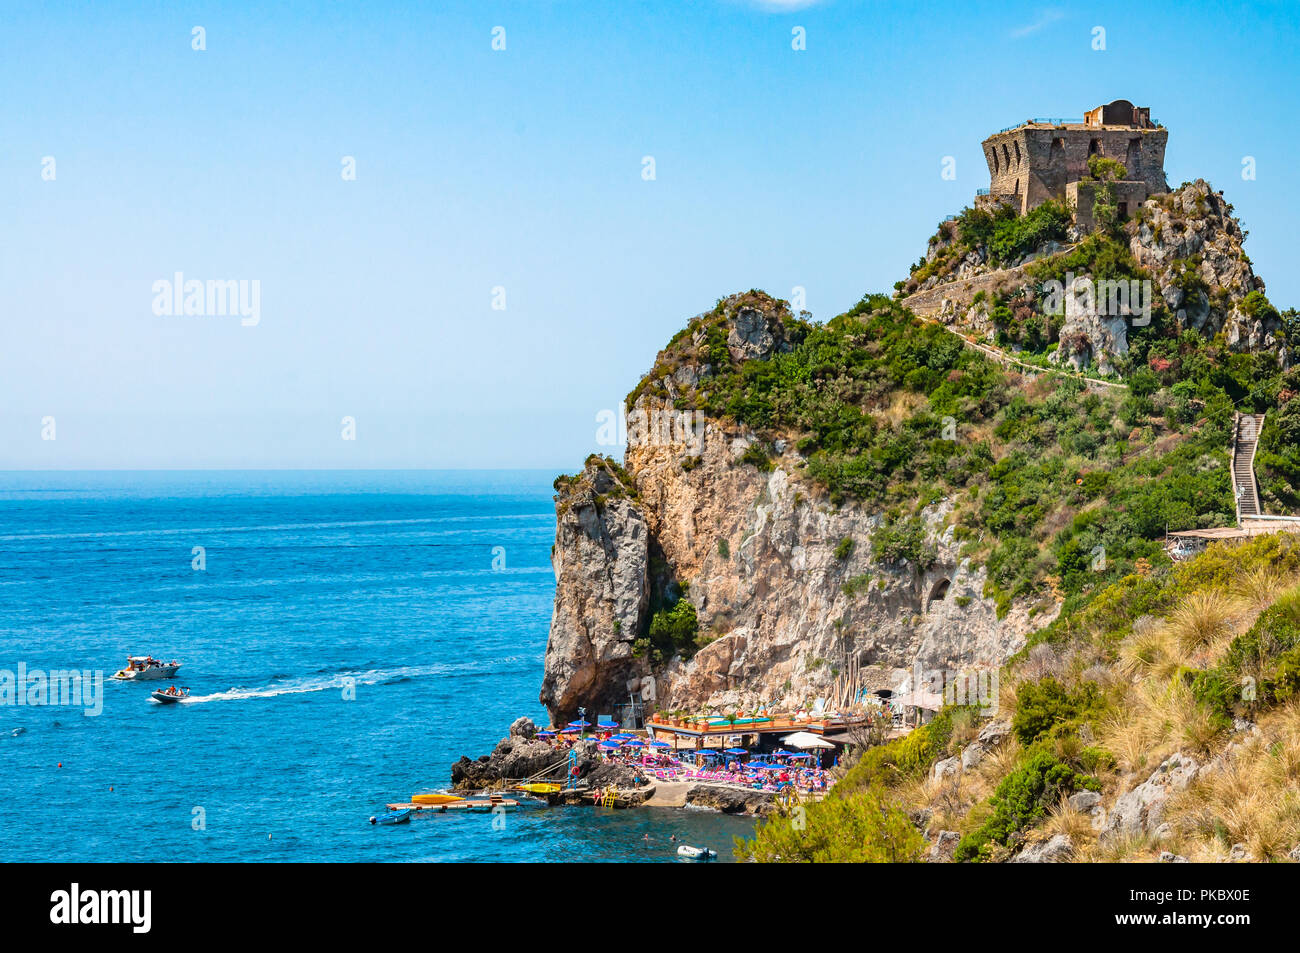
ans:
(314, 582)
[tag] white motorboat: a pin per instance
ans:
(142, 668)
(687, 852)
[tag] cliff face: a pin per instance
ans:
(781, 614)
(1191, 244)
(601, 562)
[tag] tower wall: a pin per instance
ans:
(1035, 162)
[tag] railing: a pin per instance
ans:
(744, 728)
(1043, 122)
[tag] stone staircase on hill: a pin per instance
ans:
(1245, 438)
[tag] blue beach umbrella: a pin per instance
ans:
(737, 751)
(546, 734)
(634, 743)
(659, 744)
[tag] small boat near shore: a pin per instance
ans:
(687, 852)
(144, 668)
(393, 817)
(170, 696)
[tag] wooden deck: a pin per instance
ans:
(477, 805)
(777, 725)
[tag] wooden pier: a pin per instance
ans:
(481, 805)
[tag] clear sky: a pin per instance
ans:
(522, 169)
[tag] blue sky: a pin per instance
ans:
(522, 169)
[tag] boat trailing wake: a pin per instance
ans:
(338, 681)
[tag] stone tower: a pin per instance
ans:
(1043, 159)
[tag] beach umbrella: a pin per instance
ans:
(659, 744)
(634, 743)
(737, 751)
(580, 723)
(806, 739)
(782, 752)
(546, 734)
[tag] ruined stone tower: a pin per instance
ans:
(1043, 159)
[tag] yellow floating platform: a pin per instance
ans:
(435, 798)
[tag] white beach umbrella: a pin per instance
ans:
(805, 740)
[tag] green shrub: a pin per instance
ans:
(904, 541)
(1042, 705)
(844, 548)
(863, 828)
(674, 629)
(1020, 799)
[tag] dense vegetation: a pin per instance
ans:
(1003, 234)
(1057, 488)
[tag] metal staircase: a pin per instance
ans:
(1245, 437)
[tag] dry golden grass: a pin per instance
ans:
(1063, 819)
(1200, 620)
(965, 726)
(902, 406)
(1126, 741)
(1123, 848)
(1144, 650)
(1251, 798)
(1001, 761)
(1257, 588)
(1156, 718)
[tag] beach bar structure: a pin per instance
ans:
(766, 730)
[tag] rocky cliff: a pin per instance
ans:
(1187, 243)
(784, 606)
(746, 553)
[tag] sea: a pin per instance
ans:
(345, 637)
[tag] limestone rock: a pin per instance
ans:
(523, 727)
(947, 768)
(731, 800)
(1141, 811)
(1058, 850)
(972, 755)
(601, 562)
(994, 733)
(513, 758)
(756, 333)
(1085, 802)
(945, 844)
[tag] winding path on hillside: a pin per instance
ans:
(928, 305)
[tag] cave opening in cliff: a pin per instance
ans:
(940, 590)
